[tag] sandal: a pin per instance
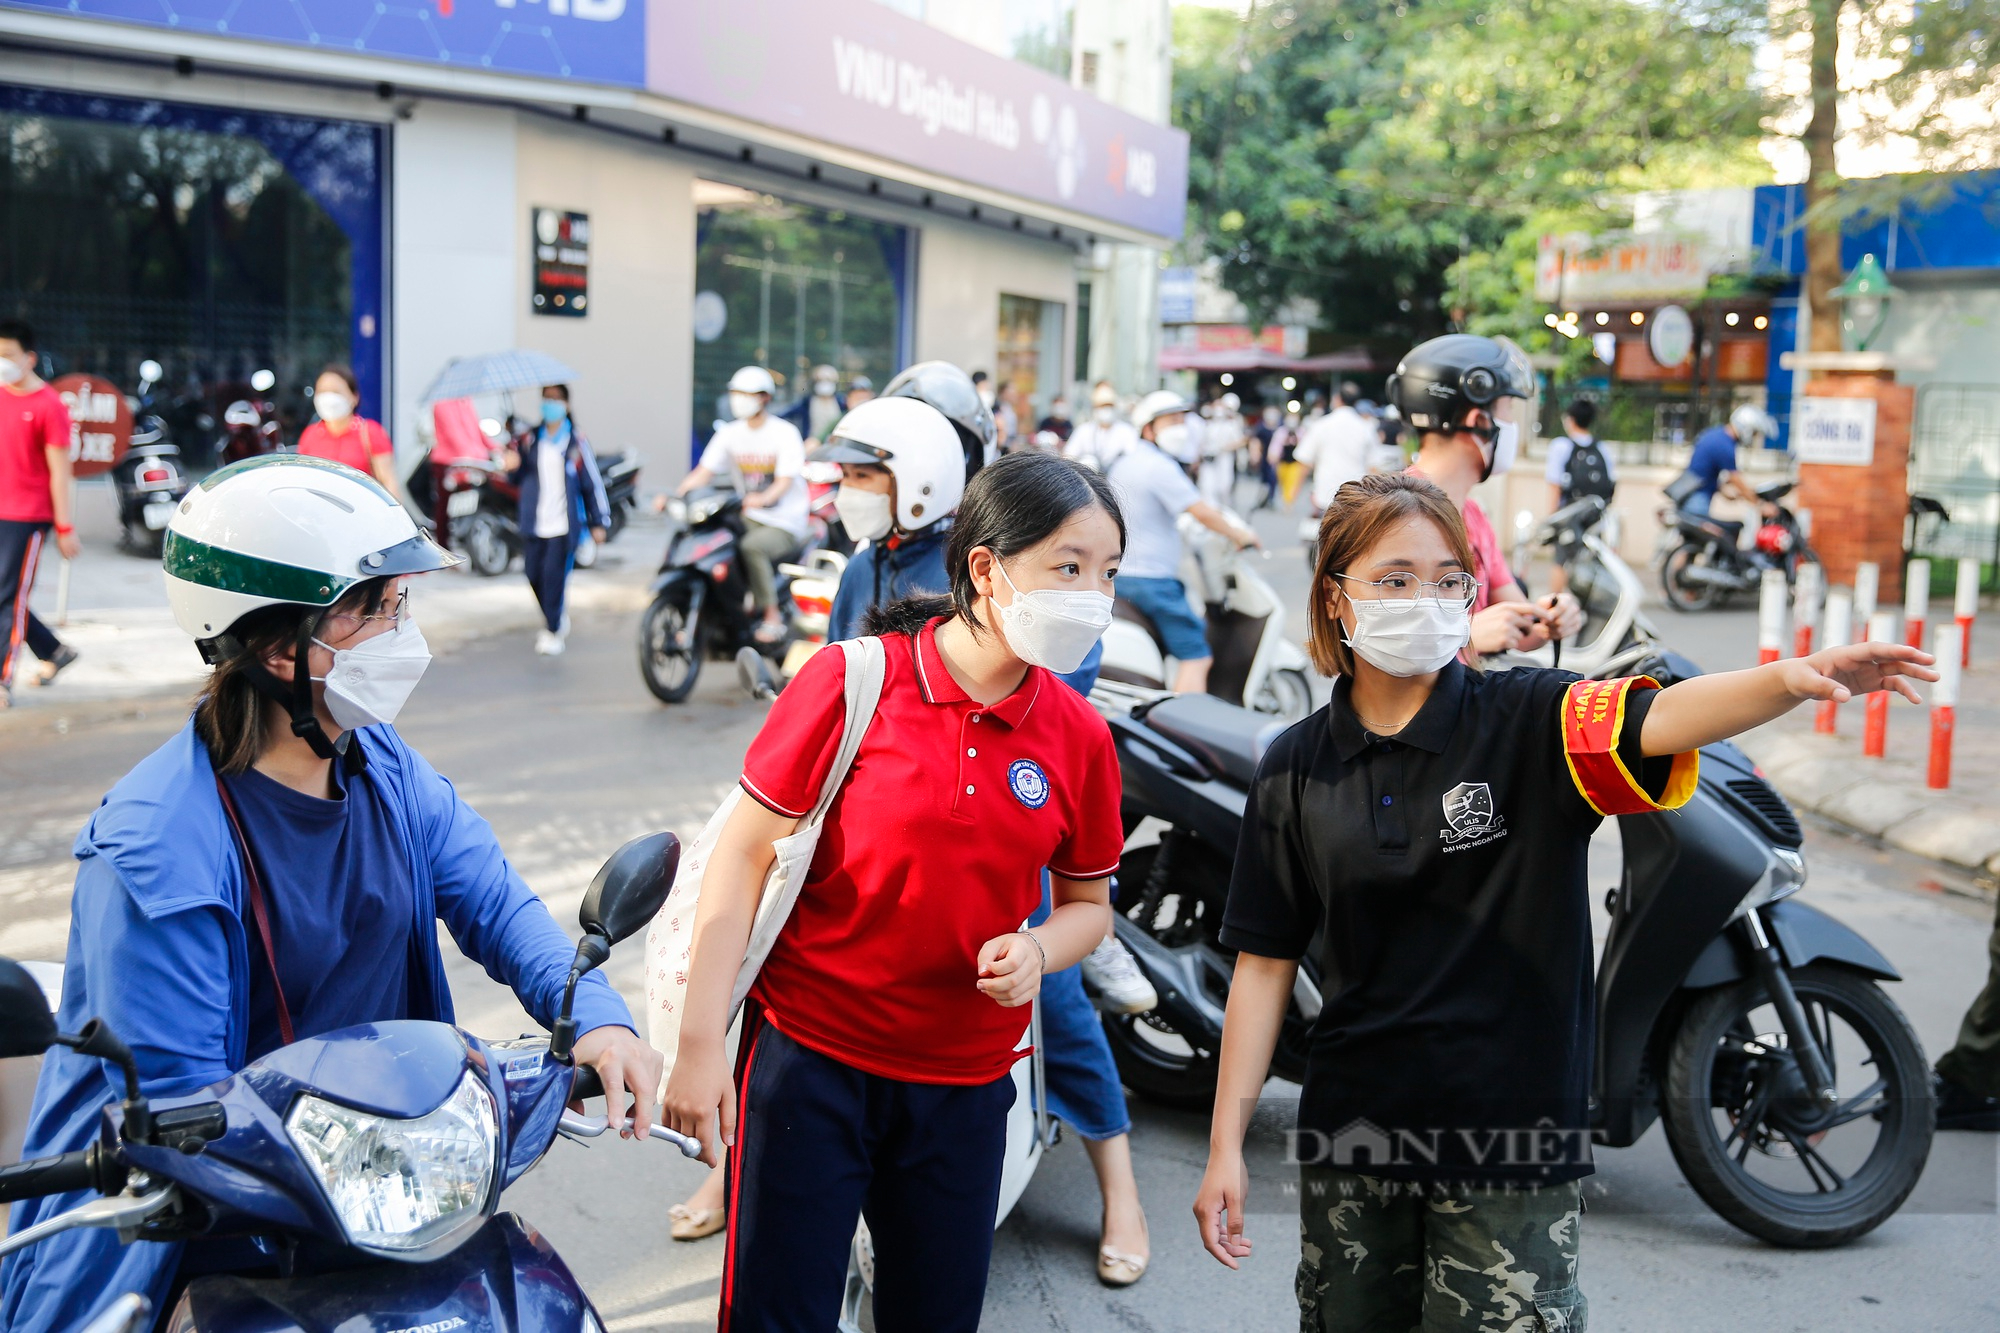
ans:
(53, 667)
(696, 1223)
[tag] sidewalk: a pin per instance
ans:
(130, 648)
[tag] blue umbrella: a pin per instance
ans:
(495, 372)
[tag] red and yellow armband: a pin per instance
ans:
(1593, 721)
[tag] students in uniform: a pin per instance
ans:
(1429, 828)
(872, 1074)
(562, 493)
(34, 499)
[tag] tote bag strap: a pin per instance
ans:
(866, 666)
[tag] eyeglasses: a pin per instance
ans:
(1401, 590)
(396, 612)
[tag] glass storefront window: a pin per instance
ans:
(216, 242)
(788, 286)
(1028, 370)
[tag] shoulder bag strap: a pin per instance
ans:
(258, 912)
(865, 670)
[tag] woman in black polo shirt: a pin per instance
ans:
(1431, 823)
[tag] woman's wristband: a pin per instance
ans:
(1038, 949)
(63, 529)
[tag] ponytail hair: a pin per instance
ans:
(1012, 505)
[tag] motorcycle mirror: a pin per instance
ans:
(150, 372)
(262, 381)
(26, 1025)
(631, 886)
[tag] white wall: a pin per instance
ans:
(634, 350)
(458, 268)
(962, 270)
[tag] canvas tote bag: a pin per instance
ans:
(671, 938)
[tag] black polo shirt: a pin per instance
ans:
(1443, 871)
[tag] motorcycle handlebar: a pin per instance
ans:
(61, 1174)
(586, 1085)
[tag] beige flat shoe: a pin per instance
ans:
(1117, 1269)
(696, 1223)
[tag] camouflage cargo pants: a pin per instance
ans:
(1385, 1256)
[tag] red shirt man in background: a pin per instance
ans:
(34, 498)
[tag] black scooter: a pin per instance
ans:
(701, 609)
(1703, 562)
(151, 478)
(1796, 1097)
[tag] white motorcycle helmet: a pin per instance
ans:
(753, 379)
(1752, 423)
(1159, 403)
(918, 445)
(284, 530)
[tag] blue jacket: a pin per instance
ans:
(158, 949)
(916, 566)
(589, 506)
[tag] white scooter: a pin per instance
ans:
(1255, 664)
(1616, 634)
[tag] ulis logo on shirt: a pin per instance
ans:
(1469, 818)
(1030, 784)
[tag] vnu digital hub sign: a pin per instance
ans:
(848, 72)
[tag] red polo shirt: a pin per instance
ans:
(934, 845)
(30, 425)
(357, 446)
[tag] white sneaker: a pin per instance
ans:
(1121, 987)
(556, 644)
(547, 644)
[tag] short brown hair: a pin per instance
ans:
(1361, 512)
(344, 373)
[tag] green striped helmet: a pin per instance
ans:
(285, 529)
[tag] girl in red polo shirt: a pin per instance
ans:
(344, 436)
(872, 1076)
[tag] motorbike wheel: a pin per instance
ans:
(1758, 1151)
(1286, 694)
(1159, 1063)
(616, 525)
(1682, 596)
(485, 545)
(669, 650)
(141, 540)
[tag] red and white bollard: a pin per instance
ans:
(1771, 593)
(1875, 730)
(1867, 585)
(1965, 605)
(1944, 704)
(1916, 600)
(1839, 630)
(1807, 594)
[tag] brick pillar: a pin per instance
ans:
(1858, 512)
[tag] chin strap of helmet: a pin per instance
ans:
(1488, 436)
(296, 696)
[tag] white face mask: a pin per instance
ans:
(742, 405)
(11, 371)
(1172, 438)
(1408, 641)
(1053, 627)
(370, 682)
(1506, 445)
(867, 515)
(333, 406)
(1105, 415)
(824, 388)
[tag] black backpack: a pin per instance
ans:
(1588, 473)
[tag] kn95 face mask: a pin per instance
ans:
(867, 515)
(370, 682)
(1053, 627)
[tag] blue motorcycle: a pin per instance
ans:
(366, 1165)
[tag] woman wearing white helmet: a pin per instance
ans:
(279, 867)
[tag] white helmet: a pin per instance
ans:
(284, 529)
(753, 379)
(918, 445)
(1159, 403)
(1751, 422)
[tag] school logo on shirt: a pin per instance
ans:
(1030, 784)
(1469, 818)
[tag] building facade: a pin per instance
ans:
(653, 191)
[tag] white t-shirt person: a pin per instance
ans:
(1153, 492)
(1338, 448)
(754, 459)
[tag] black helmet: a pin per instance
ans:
(949, 389)
(1438, 382)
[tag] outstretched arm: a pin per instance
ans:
(1707, 709)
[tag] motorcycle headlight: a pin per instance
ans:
(402, 1187)
(703, 510)
(1784, 875)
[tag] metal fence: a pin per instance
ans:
(1955, 460)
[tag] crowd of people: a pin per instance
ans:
(868, 1074)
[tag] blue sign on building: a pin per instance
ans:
(592, 41)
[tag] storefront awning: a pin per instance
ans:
(1249, 360)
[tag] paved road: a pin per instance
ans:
(569, 757)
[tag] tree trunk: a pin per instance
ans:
(1823, 178)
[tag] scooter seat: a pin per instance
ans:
(1230, 740)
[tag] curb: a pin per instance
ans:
(1877, 798)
